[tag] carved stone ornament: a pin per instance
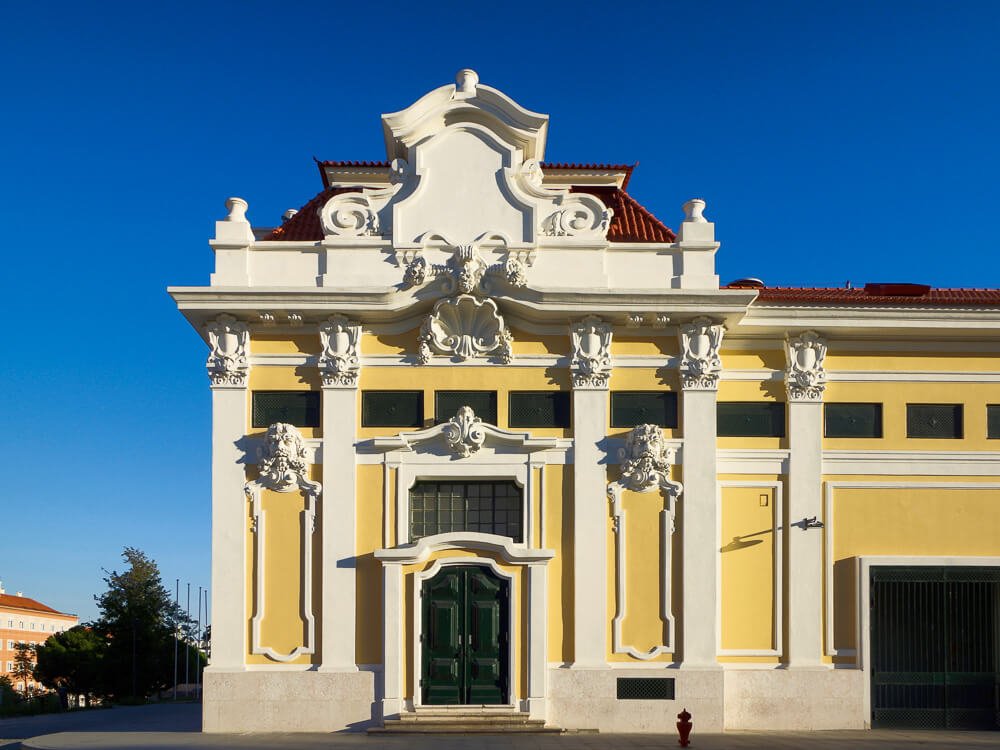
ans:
(464, 432)
(228, 362)
(467, 272)
(338, 362)
(282, 461)
(465, 327)
(590, 366)
(349, 215)
(700, 364)
(564, 214)
(805, 379)
(645, 459)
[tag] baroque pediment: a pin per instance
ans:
(465, 166)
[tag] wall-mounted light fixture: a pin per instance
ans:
(811, 522)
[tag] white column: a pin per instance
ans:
(805, 381)
(339, 568)
(392, 639)
(700, 530)
(590, 368)
(700, 366)
(537, 639)
(590, 522)
(229, 528)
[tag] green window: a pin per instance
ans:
(489, 507)
(392, 409)
(993, 421)
(539, 409)
(751, 419)
(298, 408)
(853, 420)
(483, 403)
(934, 421)
(629, 408)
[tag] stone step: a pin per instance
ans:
(464, 721)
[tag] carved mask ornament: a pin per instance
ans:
(282, 458)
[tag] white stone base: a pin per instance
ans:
(587, 699)
(795, 699)
(285, 701)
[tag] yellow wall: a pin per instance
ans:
(368, 638)
(892, 521)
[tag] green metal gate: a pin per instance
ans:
(935, 647)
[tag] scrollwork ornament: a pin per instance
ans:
(590, 366)
(464, 432)
(701, 365)
(228, 362)
(339, 361)
(805, 378)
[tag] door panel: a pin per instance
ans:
(465, 644)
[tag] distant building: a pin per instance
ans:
(24, 620)
(488, 433)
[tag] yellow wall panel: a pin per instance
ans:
(273, 343)
(748, 553)
(368, 639)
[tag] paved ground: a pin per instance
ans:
(175, 727)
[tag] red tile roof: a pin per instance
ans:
(630, 222)
(859, 297)
(23, 602)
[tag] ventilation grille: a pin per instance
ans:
(645, 688)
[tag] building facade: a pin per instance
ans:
(488, 433)
(24, 620)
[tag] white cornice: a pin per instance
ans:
(421, 550)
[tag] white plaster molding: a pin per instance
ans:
(912, 463)
(339, 361)
(465, 328)
(282, 469)
(752, 461)
(420, 551)
(490, 435)
(700, 365)
(467, 271)
(350, 215)
(228, 363)
(805, 379)
(645, 464)
(464, 433)
(777, 578)
(863, 602)
(590, 366)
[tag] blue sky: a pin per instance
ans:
(832, 141)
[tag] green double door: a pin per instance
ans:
(465, 643)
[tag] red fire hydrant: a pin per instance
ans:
(684, 728)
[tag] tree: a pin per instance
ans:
(24, 664)
(72, 660)
(138, 620)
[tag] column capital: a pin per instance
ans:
(339, 360)
(805, 378)
(700, 366)
(590, 365)
(229, 359)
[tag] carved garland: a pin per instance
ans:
(467, 271)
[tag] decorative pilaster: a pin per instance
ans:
(805, 381)
(700, 367)
(228, 369)
(590, 369)
(340, 368)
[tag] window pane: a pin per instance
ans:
(539, 409)
(853, 420)
(630, 408)
(392, 409)
(751, 419)
(993, 421)
(298, 408)
(489, 507)
(483, 403)
(934, 421)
